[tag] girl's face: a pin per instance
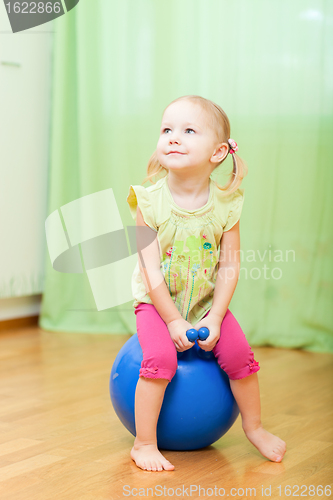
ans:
(186, 140)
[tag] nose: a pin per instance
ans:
(174, 139)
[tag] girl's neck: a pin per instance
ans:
(188, 193)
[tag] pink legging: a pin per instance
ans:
(233, 353)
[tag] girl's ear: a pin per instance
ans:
(220, 153)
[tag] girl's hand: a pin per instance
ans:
(213, 323)
(177, 329)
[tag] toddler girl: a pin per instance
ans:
(186, 276)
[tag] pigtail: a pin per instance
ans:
(238, 173)
(154, 168)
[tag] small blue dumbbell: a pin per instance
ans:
(203, 333)
(192, 334)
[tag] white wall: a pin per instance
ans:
(20, 307)
(25, 97)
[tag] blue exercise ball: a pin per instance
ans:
(198, 406)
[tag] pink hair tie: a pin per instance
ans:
(233, 146)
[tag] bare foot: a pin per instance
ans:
(148, 457)
(270, 446)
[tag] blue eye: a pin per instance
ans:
(191, 129)
(164, 131)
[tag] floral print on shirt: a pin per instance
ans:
(189, 269)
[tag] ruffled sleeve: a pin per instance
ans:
(235, 209)
(138, 195)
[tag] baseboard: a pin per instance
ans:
(9, 324)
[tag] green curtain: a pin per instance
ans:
(269, 65)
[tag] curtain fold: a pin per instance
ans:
(117, 65)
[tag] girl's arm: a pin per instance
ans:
(153, 278)
(228, 272)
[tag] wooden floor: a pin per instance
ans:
(60, 438)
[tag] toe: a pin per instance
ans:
(282, 445)
(280, 450)
(159, 466)
(276, 457)
(168, 466)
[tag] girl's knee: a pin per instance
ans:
(162, 365)
(233, 351)
(244, 370)
(238, 364)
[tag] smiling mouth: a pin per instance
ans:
(175, 153)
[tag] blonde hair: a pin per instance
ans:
(221, 126)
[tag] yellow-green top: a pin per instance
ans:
(189, 242)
